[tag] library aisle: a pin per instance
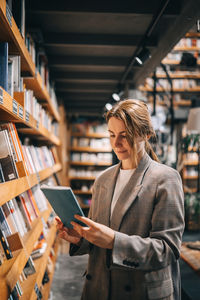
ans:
(68, 277)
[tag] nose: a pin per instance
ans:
(117, 141)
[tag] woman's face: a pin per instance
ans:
(118, 139)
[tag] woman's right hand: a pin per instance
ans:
(68, 234)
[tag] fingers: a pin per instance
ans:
(86, 221)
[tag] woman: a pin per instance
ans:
(136, 219)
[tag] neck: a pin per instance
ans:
(130, 164)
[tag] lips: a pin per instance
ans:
(120, 152)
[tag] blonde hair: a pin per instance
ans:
(137, 120)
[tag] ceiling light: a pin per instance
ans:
(143, 55)
(108, 106)
(116, 97)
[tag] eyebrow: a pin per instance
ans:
(119, 132)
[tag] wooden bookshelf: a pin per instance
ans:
(32, 126)
(40, 266)
(13, 188)
(47, 286)
(11, 34)
(12, 269)
(12, 109)
(82, 185)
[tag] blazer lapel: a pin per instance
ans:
(129, 193)
(106, 194)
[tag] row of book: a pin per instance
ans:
(33, 107)
(91, 157)
(82, 172)
(177, 83)
(84, 126)
(16, 9)
(189, 42)
(92, 143)
(30, 268)
(11, 81)
(17, 160)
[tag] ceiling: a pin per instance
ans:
(91, 45)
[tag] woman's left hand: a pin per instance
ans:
(97, 234)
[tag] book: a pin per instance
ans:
(64, 203)
(5, 244)
(4, 65)
(7, 160)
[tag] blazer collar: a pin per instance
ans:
(126, 198)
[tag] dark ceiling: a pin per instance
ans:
(91, 45)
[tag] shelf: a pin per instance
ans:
(88, 163)
(41, 93)
(89, 149)
(178, 48)
(175, 103)
(81, 178)
(29, 240)
(179, 75)
(84, 206)
(190, 177)
(14, 37)
(40, 266)
(12, 110)
(17, 45)
(80, 192)
(91, 135)
(161, 90)
(47, 286)
(13, 188)
(174, 62)
(191, 163)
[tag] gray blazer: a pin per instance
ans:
(148, 221)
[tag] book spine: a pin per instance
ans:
(4, 65)
(5, 245)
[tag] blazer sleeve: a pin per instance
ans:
(162, 246)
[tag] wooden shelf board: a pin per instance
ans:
(80, 192)
(49, 171)
(190, 177)
(11, 189)
(181, 48)
(81, 163)
(179, 75)
(81, 178)
(150, 89)
(40, 266)
(29, 240)
(89, 149)
(173, 62)
(90, 135)
(191, 163)
(6, 113)
(47, 286)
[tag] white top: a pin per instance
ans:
(122, 180)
